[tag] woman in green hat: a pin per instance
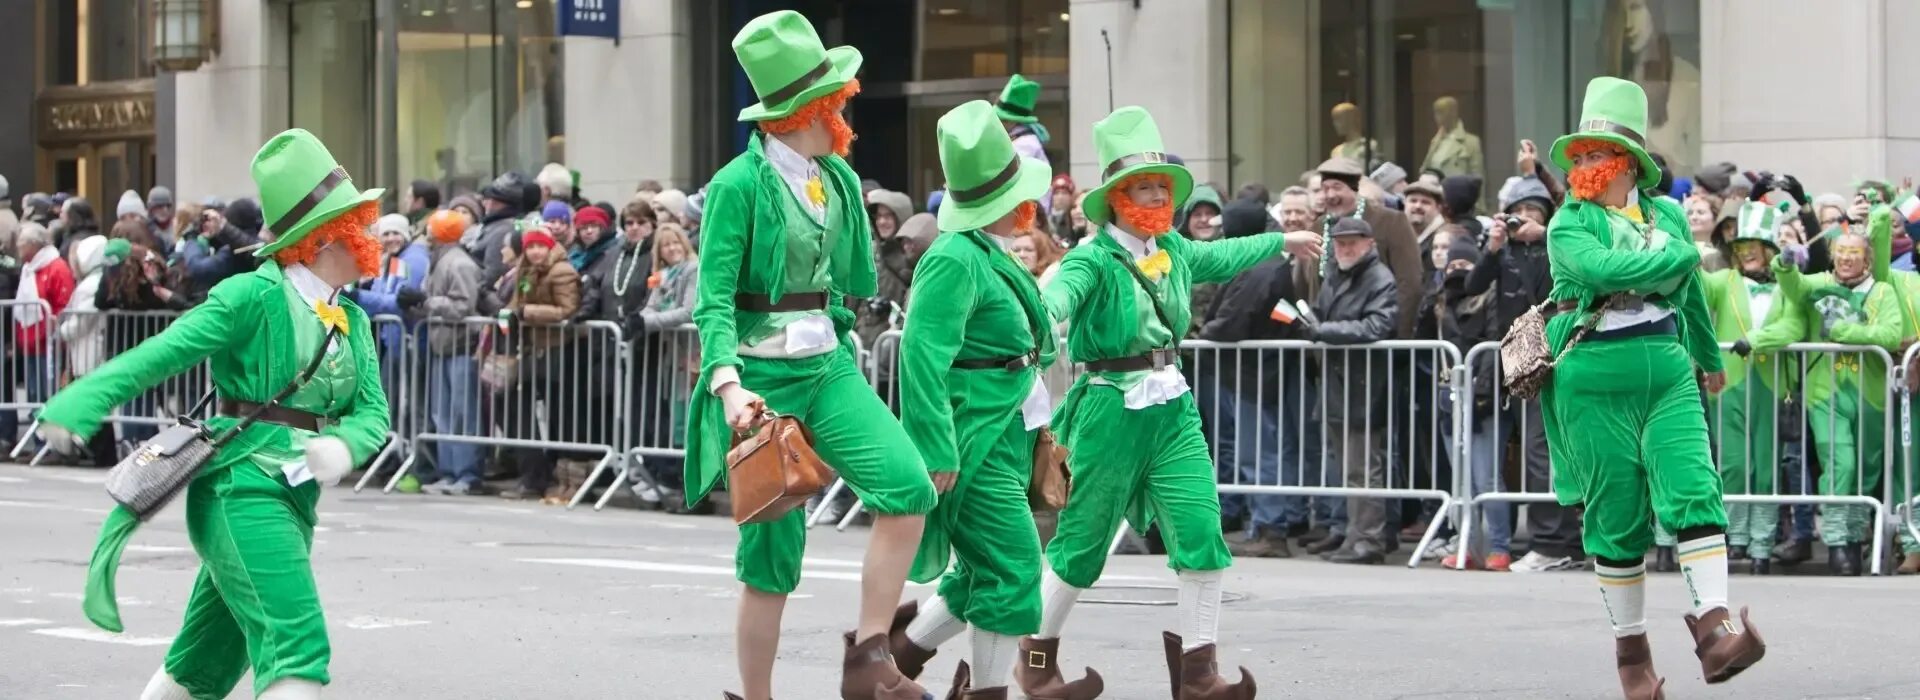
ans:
(783, 243)
(976, 341)
(1623, 416)
(1130, 419)
(250, 512)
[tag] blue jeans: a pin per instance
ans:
(455, 408)
(1250, 453)
(1303, 418)
(1489, 445)
(1801, 525)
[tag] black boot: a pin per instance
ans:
(1856, 559)
(1793, 552)
(1736, 552)
(1843, 560)
(1326, 544)
(1663, 560)
(1760, 567)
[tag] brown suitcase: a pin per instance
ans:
(774, 470)
(1052, 481)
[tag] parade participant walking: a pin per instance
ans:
(251, 511)
(1130, 420)
(784, 241)
(971, 399)
(1015, 108)
(1623, 415)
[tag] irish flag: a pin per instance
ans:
(1909, 208)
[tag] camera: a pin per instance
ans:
(1513, 223)
(879, 306)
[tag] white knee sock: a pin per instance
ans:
(1199, 607)
(1625, 592)
(291, 689)
(934, 625)
(1056, 600)
(992, 658)
(163, 687)
(1703, 561)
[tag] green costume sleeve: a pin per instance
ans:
(1882, 327)
(364, 426)
(1786, 323)
(1696, 327)
(207, 328)
(722, 247)
(1070, 286)
(1578, 256)
(1221, 260)
(1880, 235)
(943, 296)
(1793, 284)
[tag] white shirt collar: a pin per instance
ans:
(309, 285)
(1006, 242)
(1140, 248)
(791, 165)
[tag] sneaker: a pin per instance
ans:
(454, 488)
(408, 484)
(1444, 549)
(1452, 561)
(1499, 561)
(439, 487)
(647, 493)
(1535, 562)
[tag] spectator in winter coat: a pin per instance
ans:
(452, 294)
(1462, 197)
(546, 292)
(132, 208)
(81, 328)
(46, 285)
(594, 254)
(160, 216)
(887, 211)
(670, 207)
(1195, 221)
(1395, 244)
(422, 199)
(219, 248)
(80, 222)
(503, 201)
(397, 290)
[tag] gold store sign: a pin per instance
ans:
(97, 112)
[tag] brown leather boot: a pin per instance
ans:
(868, 673)
(911, 659)
(963, 687)
(1723, 652)
(1909, 564)
(1199, 675)
(1038, 673)
(1170, 643)
(1635, 661)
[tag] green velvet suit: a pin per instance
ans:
(1150, 463)
(255, 598)
(974, 301)
(1746, 413)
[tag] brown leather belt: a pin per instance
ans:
(1163, 357)
(763, 304)
(1627, 302)
(1010, 364)
(290, 417)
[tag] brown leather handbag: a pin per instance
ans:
(1047, 492)
(774, 470)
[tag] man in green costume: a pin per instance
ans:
(1130, 420)
(783, 242)
(1622, 411)
(1856, 304)
(1902, 466)
(250, 512)
(971, 397)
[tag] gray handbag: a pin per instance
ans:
(162, 466)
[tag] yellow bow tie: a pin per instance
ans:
(1155, 266)
(1634, 214)
(331, 316)
(816, 192)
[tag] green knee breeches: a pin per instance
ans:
(254, 605)
(994, 583)
(1119, 456)
(1629, 441)
(1851, 436)
(853, 432)
(1746, 415)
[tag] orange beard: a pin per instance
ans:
(825, 107)
(349, 228)
(1025, 215)
(1590, 182)
(1152, 222)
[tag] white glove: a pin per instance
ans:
(328, 459)
(62, 440)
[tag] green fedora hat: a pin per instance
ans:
(1128, 142)
(1017, 100)
(301, 187)
(1614, 111)
(985, 177)
(787, 64)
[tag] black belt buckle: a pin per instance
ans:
(1162, 357)
(1022, 362)
(1630, 303)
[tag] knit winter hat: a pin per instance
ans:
(556, 210)
(447, 225)
(244, 214)
(392, 223)
(674, 201)
(159, 196)
(592, 216)
(537, 236)
(1518, 189)
(130, 203)
(1388, 175)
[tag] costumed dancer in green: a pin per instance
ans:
(1758, 390)
(1856, 304)
(1129, 420)
(783, 242)
(976, 341)
(250, 512)
(1623, 414)
(1903, 465)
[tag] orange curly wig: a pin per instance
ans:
(826, 107)
(349, 228)
(1153, 221)
(1591, 181)
(1025, 215)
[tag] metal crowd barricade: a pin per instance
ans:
(31, 371)
(1792, 367)
(658, 373)
(90, 338)
(1907, 462)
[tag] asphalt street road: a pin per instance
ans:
(432, 597)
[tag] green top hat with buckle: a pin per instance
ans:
(787, 64)
(301, 187)
(1614, 111)
(1017, 100)
(1760, 221)
(985, 177)
(1128, 142)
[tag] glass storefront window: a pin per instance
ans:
(1655, 43)
(331, 53)
(444, 94)
(527, 84)
(991, 38)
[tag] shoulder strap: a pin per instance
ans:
(299, 380)
(1151, 297)
(1033, 324)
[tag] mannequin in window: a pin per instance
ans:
(1354, 144)
(1453, 150)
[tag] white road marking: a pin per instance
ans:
(67, 476)
(93, 635)
(54, 506)
(370, 622)
(12, 480)
(695, 569)
(24, 622)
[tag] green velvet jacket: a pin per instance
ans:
(1586, 267)
(1730, 303)
(245, 331)
(744, 220)
(1885, 323)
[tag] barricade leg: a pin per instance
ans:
(820, 511)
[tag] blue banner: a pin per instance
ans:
(590, 18)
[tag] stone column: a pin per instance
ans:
(231, 105)
(629, 106)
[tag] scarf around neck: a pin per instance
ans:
(29, 288)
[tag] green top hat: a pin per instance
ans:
(787, 64)
(301, 187)
(1760, 221)
(1128, 142)
(1017, 100)
(985, 177)
(1614, 111)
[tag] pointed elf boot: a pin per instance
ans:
(963, 687)
(1038, 673)
(1198, 675)
(910, 658)
(1724, 652)
(868, 673)
(1635, 661)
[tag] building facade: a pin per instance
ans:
(456, 91)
